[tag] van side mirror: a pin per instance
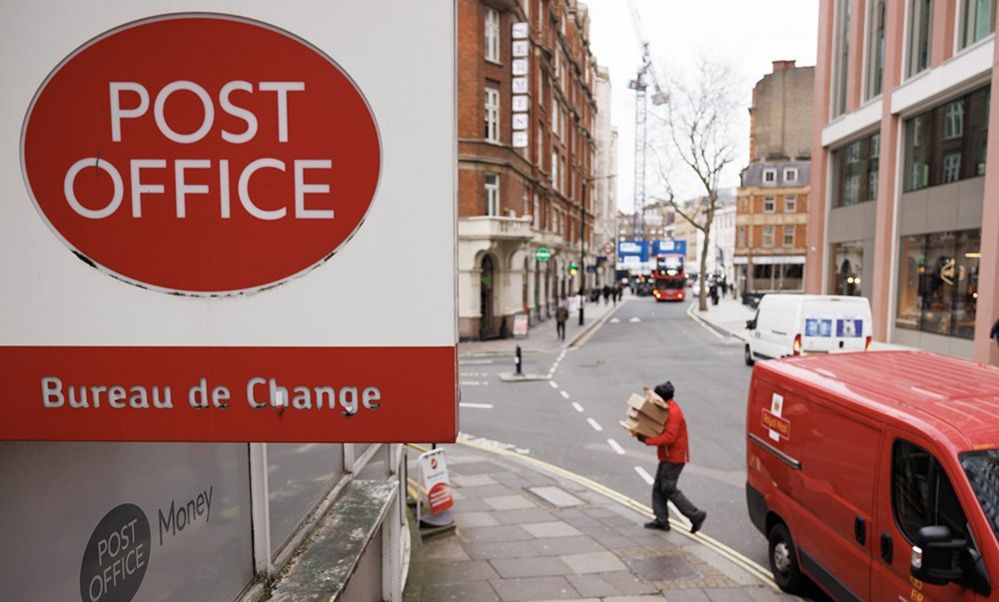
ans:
(751, 324)
(937, 556)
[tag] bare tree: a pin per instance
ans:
(698, 141)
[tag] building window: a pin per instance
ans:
(492, 35)
(769, 176)
(492, 114)
(768, 236)
(555, 165)
(855, 171)
(790, 175)
(947, 143)
(938, 282)
(769, 204)
(920, 21)
(847, 268)
(791, 204)
(742, 237)
(788, 236)
(492, 194)
(875, 49)
(841, 35)
(977, 20)
(555, 119)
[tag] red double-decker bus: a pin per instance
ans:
(669, 278)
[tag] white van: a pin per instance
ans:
(802, 324)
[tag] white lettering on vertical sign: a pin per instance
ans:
(520, 121)
(519, 66)
(519, 140)
(519, 102)
(520, 48)
(776, 408)
(519, 85)
(520, 30)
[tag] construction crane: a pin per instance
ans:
(640, 86)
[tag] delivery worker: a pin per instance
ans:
(673, 452)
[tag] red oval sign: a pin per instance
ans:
(201, 154)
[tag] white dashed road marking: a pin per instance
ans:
(564, 394)
(645, 475)
(473, 383)
(596, 425)
(635, 320)
(480, 406)
(577, 407)
(615, 321)
(553, 384)
(615, 446)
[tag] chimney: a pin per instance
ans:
(783, 65)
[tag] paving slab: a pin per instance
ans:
(594, 562)
(551, 529)
(494, 534)
(469, 520)
(534, 588)
(508, 502)
(459, 592)
(539, 566)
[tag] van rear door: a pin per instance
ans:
(914, 491)
(835, 324)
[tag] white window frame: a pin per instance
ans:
(492, 35)
(867, 71)
(772, 202)
(961, 41)
(790, 175)
(842, 15)
(784, 241)
(555, 162)
(555, 119)
(910, 37)
(492, 190)
(768, 237)
(492, 106)
(772, 173)
(791, 203)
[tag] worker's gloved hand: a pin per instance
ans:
(641, 438)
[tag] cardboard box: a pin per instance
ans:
(639, 427)
(651, 405)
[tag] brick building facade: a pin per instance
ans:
(771, 235)
(526, 154)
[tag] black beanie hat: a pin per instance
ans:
(664, 390)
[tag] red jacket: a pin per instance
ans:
(672, 446)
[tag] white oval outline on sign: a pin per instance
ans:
(198, 15)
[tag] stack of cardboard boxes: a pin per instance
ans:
(647, 414)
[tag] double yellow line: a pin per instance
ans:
(751, 567)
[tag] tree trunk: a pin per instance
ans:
(702, 302)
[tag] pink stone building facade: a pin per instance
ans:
(905, 193)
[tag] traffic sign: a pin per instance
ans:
(543, 254)
(193, 237)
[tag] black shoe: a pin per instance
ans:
(697, 521)
(654, 524)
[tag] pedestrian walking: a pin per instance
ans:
(673, 451)
(561, 317)
(713, 291)
(607, 294)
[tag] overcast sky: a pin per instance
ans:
(749, 34)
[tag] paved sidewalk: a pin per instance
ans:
(541, 337)
(524, 534)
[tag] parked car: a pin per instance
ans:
(876, 475)
(787, 325)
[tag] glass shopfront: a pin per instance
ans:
(855, 171)
(938, 282)
(947, 143)
(846, 274)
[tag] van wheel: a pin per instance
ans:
(784, 560)
(749, 357)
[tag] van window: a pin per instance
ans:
(922, 494)
(982, 468)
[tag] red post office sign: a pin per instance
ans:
(201, 154)
(230, 227)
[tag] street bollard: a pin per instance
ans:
(519, 360)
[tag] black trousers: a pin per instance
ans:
(664, 489)
(560, 330)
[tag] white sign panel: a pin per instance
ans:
(519, 66)
(520, 30)
(520, 121)
(519, 102)
(519, 85)
(216, 268)
(519, 140)
(520, 48)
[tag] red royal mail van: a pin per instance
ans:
(877, 474)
